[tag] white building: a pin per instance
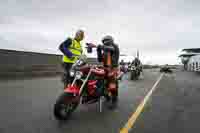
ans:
(191, 59)
(194, 63)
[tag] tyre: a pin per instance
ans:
(112, 97)
(65, 105)
(114, 101)
(133, 74)
(115, 98)
(138, 75)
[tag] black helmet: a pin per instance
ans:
(107, 39)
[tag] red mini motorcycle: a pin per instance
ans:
(89, 86)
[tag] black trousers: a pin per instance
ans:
(66, 75)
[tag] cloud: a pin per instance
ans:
(158, 28)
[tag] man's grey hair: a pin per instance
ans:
(78, 32)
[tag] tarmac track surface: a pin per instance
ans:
(27, 105)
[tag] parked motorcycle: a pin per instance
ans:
(89, 86)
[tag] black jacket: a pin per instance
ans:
(102, 51)
(136, 62)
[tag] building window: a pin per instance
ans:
(198, 68)
(193, 66)
(196, 65)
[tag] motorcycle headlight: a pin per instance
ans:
(72, 73)
(132, 68)
(79, 75)
(80, 62)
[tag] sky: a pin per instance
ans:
(159, 29)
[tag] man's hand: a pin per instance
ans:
(91, 45)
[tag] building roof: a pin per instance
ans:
(195, 50)
(188, 54)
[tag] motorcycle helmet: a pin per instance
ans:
(107, 39)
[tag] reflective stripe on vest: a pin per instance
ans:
(76, 50)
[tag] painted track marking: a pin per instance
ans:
(139, 109)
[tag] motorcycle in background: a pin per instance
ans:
(134, 73)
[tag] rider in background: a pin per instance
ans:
(122, 66)
(122, 62)
(71, 49)
(137, 63)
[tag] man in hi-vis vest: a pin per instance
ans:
(71, 49)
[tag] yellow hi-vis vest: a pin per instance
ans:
(76, 50)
